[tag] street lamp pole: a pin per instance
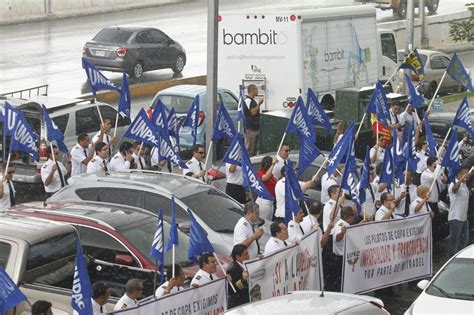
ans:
(212, 37)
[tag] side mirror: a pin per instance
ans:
(422, 284)
(185, 227)
(124, 259)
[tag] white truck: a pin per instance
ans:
(286, 53)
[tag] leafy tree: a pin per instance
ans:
(463, 31)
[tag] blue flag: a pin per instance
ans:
(364, 181)
(53, 132)
(316, 111)
(81, 288)
(340, 150)
(397, 157)
(416, 100)
(192, 118)
(173, 240)
(459, 74)
(414, 63)
(24, 138)
(429, 136)
(349, 181)
(292, 192)
(143, 130)
(463, 117)
(378, 105)
(224, 127)
(300, 122)
(10, 295)
(308, 153)
(159, 117)
(9, 122)
(173, 126)
(125, 100)
(198, 242)
(452, 158)
(96, 79)
(157, 245)
(409, 148)
(166, 151)
(386, 175)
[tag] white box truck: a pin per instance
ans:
(286, 53)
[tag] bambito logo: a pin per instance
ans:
(270, 37)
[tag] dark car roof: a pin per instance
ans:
(131, 28)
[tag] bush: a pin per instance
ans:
(463, 31)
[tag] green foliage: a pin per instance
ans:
(463, 31)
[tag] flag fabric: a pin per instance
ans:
(429, 136)
(364, 181)
(386, 175)
(308, 153)
(9, 120)
(158, 244)
(24, 138)
(173, 126)
(459, 74)
(53, 132)
(241, 104)
(159, 117)
(198, 242)
(224, 127)
(300, 122)
(378, 105)
(452, 158)
(141, 129)
(349, 180)
(292, 192)
(166, 151)
(192, 118)
(173, 239)
(414, 63)
(316, 111)
(82, 292)
(463, 117)
(340, 149)
(96, 79)
(10, 294)
(397, 157)
(125, 100)
(416, 100)
(409, 149)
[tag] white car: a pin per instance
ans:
(451, 291)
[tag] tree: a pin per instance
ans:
(463, 31)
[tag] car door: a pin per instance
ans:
(165, 54)
(149, 51)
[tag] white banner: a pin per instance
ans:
(385, 253)
(210, 298)
(295, 268)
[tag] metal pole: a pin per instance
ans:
(212, 38)
(424, 39)
(410, 24)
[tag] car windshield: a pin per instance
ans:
(218, 210)
(140, 235)
(455, 281)
(181, 104)
(113, 35)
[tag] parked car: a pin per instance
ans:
(216, 212)
(116, 234)
(451, 290)
(180, 97)
(134, 50)
(311, 302)
(435, 64)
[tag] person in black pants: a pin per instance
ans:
(238, 277)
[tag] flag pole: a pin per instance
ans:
(360, 126)
(100, 114)
(173, 260)
(444, 142)
(436, 92)
(116, 123)
(391, 77)
(207, 154)
(154, 278)
(281, 142)
(222, 268)
(438, 170)
(52, 153)
(8, 163)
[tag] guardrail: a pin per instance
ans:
(29, 91)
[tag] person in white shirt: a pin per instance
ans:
(104, 135)
(386, 211)
(206, 272)
(326, 182)
(100, 297)
(235, 183)
(395, 119)
(409, 117)
(457, 217)
(422, 155)
(330, 212)
(175, 284)
(138, 159)
(279, 238)
(377, 152)
(420, 204)
(99, 164)
(371, 204)
(133, 290)
(81, 154)
(281, 159)
(196, 164)
(7, 190)
(428, 177)
(245, 231)
(54, 174)
(163, 165)
(310, 222)
(409, 189)
(121, 161)
(295, 231)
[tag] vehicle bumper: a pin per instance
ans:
(115, 65)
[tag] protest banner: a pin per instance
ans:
(295, 268)
(208, 299)
(386, 253)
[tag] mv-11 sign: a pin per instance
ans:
(385, 253)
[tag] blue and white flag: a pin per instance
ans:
(143, 130)
(96, 79)
(340, 150)
(166, 151)
(459, 74)
(81, 286)
(192, 118)
(24, 138)
(157, 245)
(364, 181)
(409, 149)
(10, 294)
(159, 117)
(173, 239)
(224, 127)
(125, 101)
(386, 175)
(300, 122)
(429, 136)
(9, 119)
(397, 157)
(52, 131)
(378, 105)
(198, 242)
(349, 181)
(316, 111)
(308, 153)
(416, 100)
(463, 117)
(452, 158)
(173, 126)
(292, 192)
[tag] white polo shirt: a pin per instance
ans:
(338, 246)
(55, 184)
(274, 244)
(328, 207)
(79, 154)
(280, 197)
(295, 232)
(125, 303)
(235, 177)
(326, 182)
(459, 202)
(202, 277)
(243, 230)
(425, 209)
(118, 163)
(308, 222)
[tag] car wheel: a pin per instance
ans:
(431, 89)
(433, 7)
(179, 64)
(137, 70)
(401, 12)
